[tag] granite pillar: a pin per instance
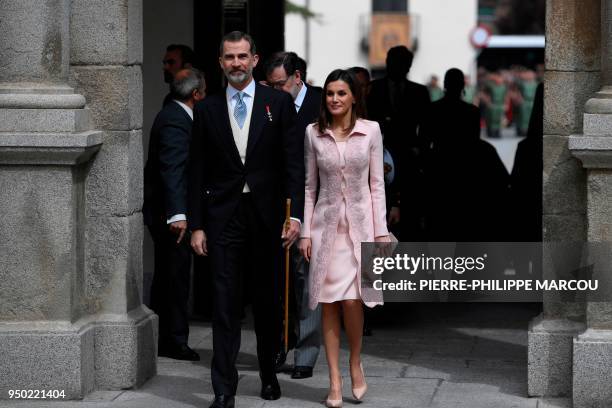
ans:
(71, 313)
(592, 348)
(572, 76)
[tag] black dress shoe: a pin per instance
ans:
(301, 372)
(182, 352)
(271, 390)
(223, 401)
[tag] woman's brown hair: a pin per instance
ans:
(358, 111)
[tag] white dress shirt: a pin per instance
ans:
(299, 99)
(248, 97)
(241, 135)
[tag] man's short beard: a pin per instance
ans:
(237, 78)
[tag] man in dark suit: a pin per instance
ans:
(399, 106)
(462, 166)
(287, 72)
(246, 159)
(177, 57)
(165, 206)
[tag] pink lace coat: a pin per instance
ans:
(360, 182)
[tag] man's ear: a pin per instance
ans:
(187, 65)
(197, 96)
(255, 60)
(221, 63)
(298, 75)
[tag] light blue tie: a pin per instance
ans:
(240, 110)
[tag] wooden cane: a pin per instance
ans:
(287, 225)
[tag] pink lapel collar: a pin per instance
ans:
(360, 129)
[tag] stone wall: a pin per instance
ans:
(573, 64)
(71, 313)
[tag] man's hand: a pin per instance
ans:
(394, 215)
(291, 234)
(180, 228)
(198, 242)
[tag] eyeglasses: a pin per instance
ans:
(279, 84)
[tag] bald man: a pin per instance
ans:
(165, 206)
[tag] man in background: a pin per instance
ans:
(435, 92)
(165, 206)
(177, 57)
(363, 78)
(400, 106)
(287, 72)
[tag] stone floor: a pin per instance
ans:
(421, 355)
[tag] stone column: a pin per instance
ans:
(106, 67)
(572, 76)
(71, 317)
(601, 102)
(593, 347)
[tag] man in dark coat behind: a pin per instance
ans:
(399, 106)
(467, 183)
(165, 209)
(526, 178)
(287, 71)
(177, 57)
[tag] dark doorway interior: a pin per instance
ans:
(264, 20)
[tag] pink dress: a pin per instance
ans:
(342, 277)
(344, 206)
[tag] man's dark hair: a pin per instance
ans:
(182, 86)
(287, 60)
(360, 70)
(302, 66)
(187, 54)
(454, 82)
(236, 36)
(399, 62)
(325, 116)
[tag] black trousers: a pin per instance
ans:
(170, 286)
(246, 255)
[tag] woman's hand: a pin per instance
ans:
(382, 247)
(305, 246)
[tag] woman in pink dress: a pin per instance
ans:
(344, 164)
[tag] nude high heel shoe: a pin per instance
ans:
(335, 403)
(359, 392)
